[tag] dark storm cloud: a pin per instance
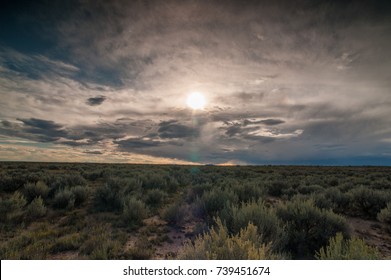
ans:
(43, 130)
(80, 135)
(246, 126)
(245, 133)
(265, 122)
(95, 101)
(34, 129)
(173, 129)
(136, 143)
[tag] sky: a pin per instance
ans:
(284, 82)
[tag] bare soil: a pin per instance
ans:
(373, 233)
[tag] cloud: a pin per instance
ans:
(297, 81)
(173, 129)
(42, 130)
(35, 66)
(95, 101)
(137, 143)
(93, 152)
(265, 122)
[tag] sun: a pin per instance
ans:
(196, 101)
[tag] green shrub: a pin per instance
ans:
(99, 244)
(339, 200)
(249, 191)
(67, 242)
(64, 199)
(12, 183)
(11, 209)
(277, 188)
(310, 189)
(350, 249)
(64, 181)
(36, 209)
(34, 190)
(365, 202)
(219, 245)
(197, 191)
(33, 244)
(308, 227)
(333, 181)
(154, 181)
(160, 181)
(93, 175)
(268, 225)
(109, 197)
(80, 194)
(385, 216)
(155, 197)
(134, 211)
(215, 200)
(322, 201)
(174, 214)
(17, 201)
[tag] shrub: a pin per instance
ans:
(142, 250)
(310, 189)
(366, 202)
(67, 243)
(248, 192)
(215, 200)
(351, 249)
(322, 201)
(12, 208)
(99, 244)
(196, 191)
(12, 183)
(219, 245)
(276, 188)
(64, 199)
(333, 181)
(154, 181)
(32, 244)
(339, 200)
(32, 191)
(64, 181)
(93, 175)
(155, 197)
(36, 208)
(109, 197)
(134, 211)
(80, 194)
(385, 216)
(17, 200)
(266, 221)
(308, 227)
(160, 181)
(174, 214)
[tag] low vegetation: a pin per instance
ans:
(119, 211)
(340, 248)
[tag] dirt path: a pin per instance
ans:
(373, 233)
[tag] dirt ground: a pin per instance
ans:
(373, 233)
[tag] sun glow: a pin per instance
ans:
(196, 101)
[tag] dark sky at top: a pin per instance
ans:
(285, 82)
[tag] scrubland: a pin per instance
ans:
(121, 211)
